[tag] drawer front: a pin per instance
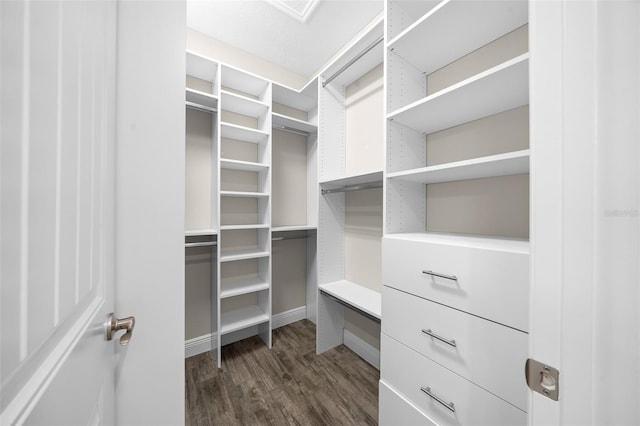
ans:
(493, 284)
(395, 410)
(488, 354)
(408, 372)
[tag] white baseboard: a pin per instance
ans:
(209, 342)
(362, 348)
(288, 317)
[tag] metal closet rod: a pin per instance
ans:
(201, 244)
(357, 187)
(289, 238)
(291, 130)
(351, 62)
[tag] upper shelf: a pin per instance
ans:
(241, 133)
(199, 98)
(510, 163)
(305, 100)
(242, 105)
(283, 121)
(436, 39)
(498, 89)
(244, 82)
(200, 67)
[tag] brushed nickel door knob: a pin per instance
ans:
(114, 324)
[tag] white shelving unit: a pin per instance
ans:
(350, 160)
(244, 176)
(484, 46)
(295, 188)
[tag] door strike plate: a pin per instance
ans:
(542, 378)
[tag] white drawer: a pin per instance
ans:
(395, 410)
(488, 354)
(492, 275)
(409, 373)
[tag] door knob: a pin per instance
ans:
(114, 324)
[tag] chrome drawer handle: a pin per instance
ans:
(448, 405)
(442, 339)
(435, 274)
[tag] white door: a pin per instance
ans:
(585, 186)
(58, 269)
(92, 178)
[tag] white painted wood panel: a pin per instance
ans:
(396, 410)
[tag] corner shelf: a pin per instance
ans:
(495, 165)
(283, 121)
(355, 296)
(436, 39)
(498, 89)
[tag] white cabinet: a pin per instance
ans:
(456, 250)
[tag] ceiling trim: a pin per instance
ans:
(299, 13)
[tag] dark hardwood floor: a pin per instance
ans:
(287, 385)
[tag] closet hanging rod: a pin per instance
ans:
(357, 187)
(197, 107)
(351, 62)
(201, 244)
(290, 130)
(289, 238)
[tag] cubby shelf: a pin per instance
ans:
(510, 163)
(501, 88)
(436, 39)
(280, 121)
(242, 105)
(232, 256)
(201, 67)
(236, 287)
(289, 228)
(200, 232)
(199, 98)
(241, 133)
(245, 166)
(244, 82)
(240, 227)
(242, 318)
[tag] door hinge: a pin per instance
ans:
(542, 378)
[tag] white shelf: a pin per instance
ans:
(242, 105)
(511, 163)
(201, 67)
(204, 99)
(231, 256)
(455, 28)
(279, 121)
(361, 298)
(293, 228)
(243, 194)
(236, 287)
(244, 166)
(240, 227)
(306, 100)
(498, 89)
(241, 133)
(515, 245)
(243, 82)
(242, 318)
(200, 232)
(352, 180)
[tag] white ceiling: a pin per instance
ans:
(279, 31)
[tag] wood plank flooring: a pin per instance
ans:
(287, 385)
